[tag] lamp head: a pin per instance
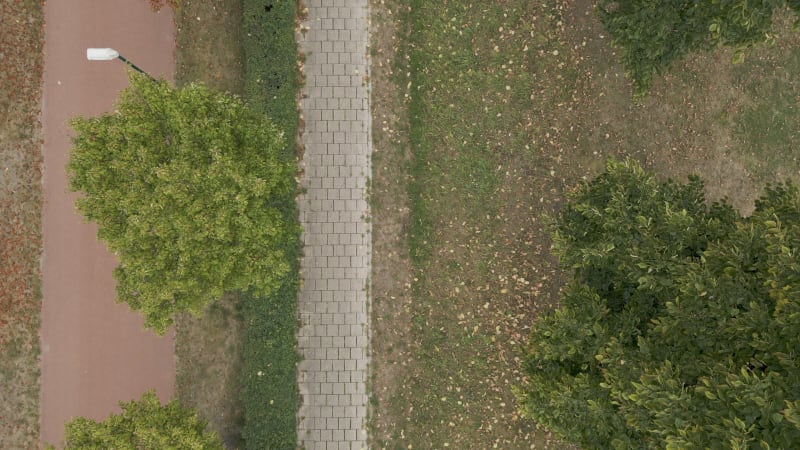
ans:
(101, 54)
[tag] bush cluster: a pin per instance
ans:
(680, 325)
(143, 423)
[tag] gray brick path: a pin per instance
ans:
(334, 301)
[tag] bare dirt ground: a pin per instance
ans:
(391, 267)
(208, 364)
(21, 38)
(95, 352)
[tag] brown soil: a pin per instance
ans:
(95, 352)
(210, 44)
(208, 362)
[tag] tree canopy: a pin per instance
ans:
(651, 35)
(681, 324)
(143, 424)
(186, 186)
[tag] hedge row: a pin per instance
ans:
(270, 51)
(269, 383)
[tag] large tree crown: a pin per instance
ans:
(681, 323)
(186, 186)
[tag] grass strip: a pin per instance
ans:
(420, 229)
(269, 382)
(471, 70)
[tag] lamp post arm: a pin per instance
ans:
(135, 67)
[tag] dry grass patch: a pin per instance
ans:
(209, 359)
(209, 44)
(21, 41)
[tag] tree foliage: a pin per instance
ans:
(186, 186)
(143, 424)
(651, 35)
(681, 324)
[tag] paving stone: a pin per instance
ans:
(333, 302)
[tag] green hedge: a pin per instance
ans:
(269, 389)
(269, 381)
(270, 53)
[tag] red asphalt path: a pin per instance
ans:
(94, 351)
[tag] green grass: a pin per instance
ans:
(271, 70)
(470, 91)
(236, 363)
(269, 389)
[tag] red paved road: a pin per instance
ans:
(94, 351)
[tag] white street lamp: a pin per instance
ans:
(108, 54)
(101, 54)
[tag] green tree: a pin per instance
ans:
(143, 424)
(681, 324)
(186, 186)
(652, 34)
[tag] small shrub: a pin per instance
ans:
(143, 424)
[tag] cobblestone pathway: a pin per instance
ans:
(334, 300)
